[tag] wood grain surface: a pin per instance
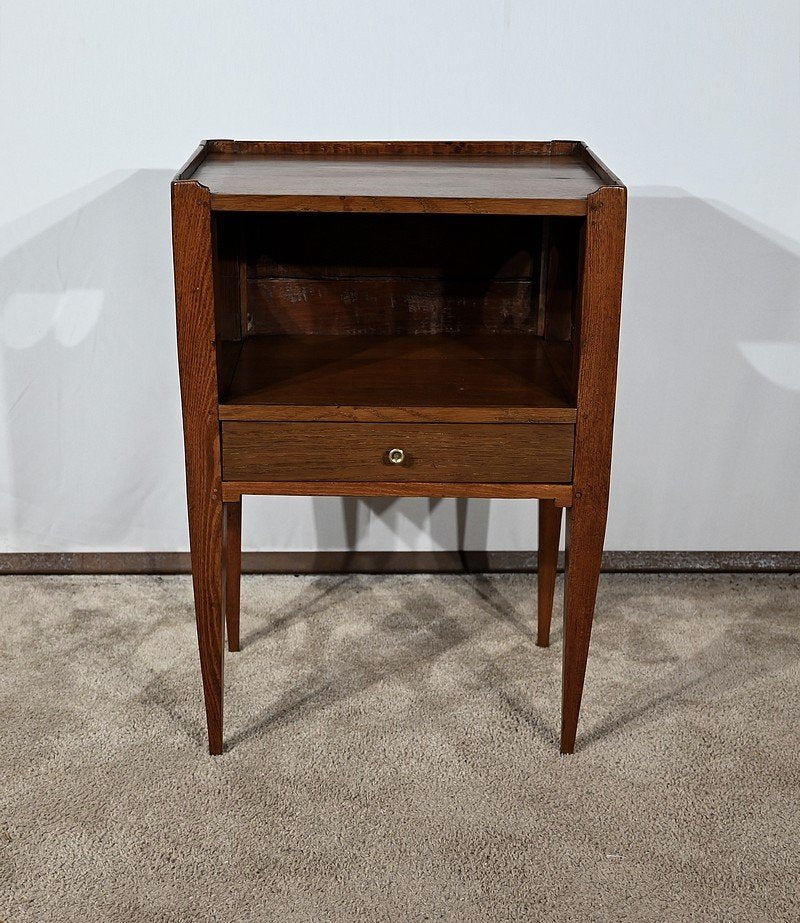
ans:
(463, 177)
(561, 494)
(601, 295)
(550, 516)
(478, 378)
(233, 570)
(197, 359)
(390, 273)
(495, 453)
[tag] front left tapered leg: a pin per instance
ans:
(192, 226)
(549, 534)
(233, 571)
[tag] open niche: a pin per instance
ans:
(396, 317)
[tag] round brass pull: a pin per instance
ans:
(396, 456)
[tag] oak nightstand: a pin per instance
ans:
(433, 319)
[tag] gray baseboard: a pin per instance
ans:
(398, 562)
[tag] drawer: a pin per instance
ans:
(458, 453)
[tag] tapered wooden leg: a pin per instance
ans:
(586, 523)
(549, 534)
(596, 341)
(206, 528)
(233, 571)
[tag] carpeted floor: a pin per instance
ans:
(392, 754)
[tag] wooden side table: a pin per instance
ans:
(432, 319)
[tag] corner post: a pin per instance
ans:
(197, 360)
(598, 333)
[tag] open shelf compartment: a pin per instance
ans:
(396, 317)
(479, 378)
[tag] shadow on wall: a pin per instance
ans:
(89, 388)
(458, 524)
(709, 391)
(93, 454)
(706, 441)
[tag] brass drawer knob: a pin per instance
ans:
(396, 456)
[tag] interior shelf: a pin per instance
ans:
(478, 377)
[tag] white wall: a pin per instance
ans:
(695, 105)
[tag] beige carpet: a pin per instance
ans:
(392, 754)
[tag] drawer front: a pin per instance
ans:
(458, 453)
